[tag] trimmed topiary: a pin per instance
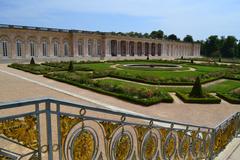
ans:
(197, 89)
(220, 59)
(70, 67)
(32, 61)
(192, 61)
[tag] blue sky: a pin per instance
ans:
(199, 18)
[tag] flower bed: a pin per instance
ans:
(143, 96)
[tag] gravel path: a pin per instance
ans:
(156, 85)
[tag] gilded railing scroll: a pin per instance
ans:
(55, 129)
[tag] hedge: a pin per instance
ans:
(208, 100)
(145, 102)
(229, 98)
(34, 68)
(19, 67)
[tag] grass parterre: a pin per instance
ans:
(138, 85)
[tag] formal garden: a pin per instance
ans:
(148, 82)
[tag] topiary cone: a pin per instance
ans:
(197, 89)
(70, 67)
(32, 61)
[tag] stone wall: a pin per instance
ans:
(21, 43)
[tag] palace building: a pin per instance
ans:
(20, 43)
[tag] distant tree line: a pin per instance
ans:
(213, 46)
(227, 47)
(155, 35)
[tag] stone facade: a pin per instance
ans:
(20, 43)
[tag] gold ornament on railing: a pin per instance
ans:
(141, 131)
(109, 127)
(123, 147)
(224, 135)
(23, 131)
(170, 145)
(184, 144)
(4, 158)
(83, 146)
(150, 147)
(66, 124)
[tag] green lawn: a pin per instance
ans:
(155, 76)
(85, 72)
(224, 87)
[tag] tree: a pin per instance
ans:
(157, 34)
(145, 35)
(188, 38)
(197, 89)
(32, 61)
(173, 37)
(238, 49)
(212, 46)
(70, 67)
(229, 47)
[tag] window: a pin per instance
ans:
(80, 48)
(65, 49)
(19, 48)
(5, 49)
(90, 44)
(32, 48)
(56, 48)
(99, 48)
(44, 48)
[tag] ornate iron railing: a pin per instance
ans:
(54, 129)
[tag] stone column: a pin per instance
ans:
(135, 48)
(24, 49)
(143, 48)
(172, 50)
(85, 47)
(14, 53)
(27, 50)
(9, 50)
(149, 49)
(175, 50)
(94, 48)
(61, 48)
(1, 50)
(74, 45)
(118, 48)
(50, 48)
(156, 49)
(127, 48)
(107, 48)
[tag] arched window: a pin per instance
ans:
(80, 48)
(90, 47)
(65, 49)
(5, 48)
(44, 48)
(56, 48)
(113, 47)
(19, 48)
(99, 48)
(131, 48)
(32, 48)
(139, 48)
(159, 52)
